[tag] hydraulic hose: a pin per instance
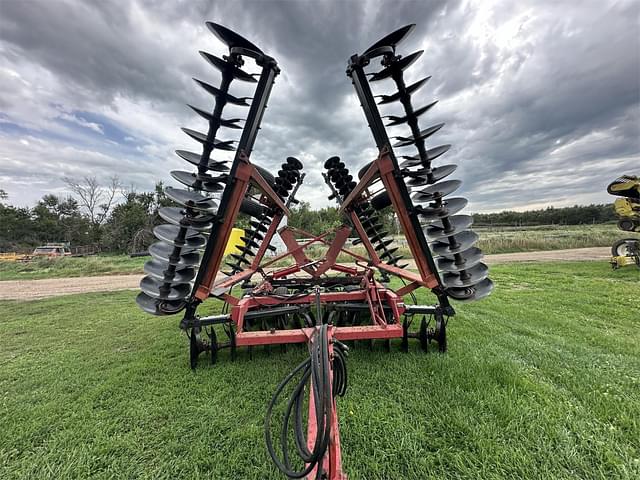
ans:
(316, 368)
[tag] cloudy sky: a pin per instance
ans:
(541, 99)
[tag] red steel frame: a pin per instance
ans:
(370, 292)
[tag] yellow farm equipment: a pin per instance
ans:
(626, 251)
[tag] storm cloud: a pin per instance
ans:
(541, 99)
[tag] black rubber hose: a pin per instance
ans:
(316, 368)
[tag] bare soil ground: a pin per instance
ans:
(35, 289)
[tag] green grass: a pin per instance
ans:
(542, 380)
(71, 267)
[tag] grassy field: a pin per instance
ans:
(548, 237)
(71, 267)
(542, 380)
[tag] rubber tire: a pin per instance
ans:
(424, 335)
(614, 249)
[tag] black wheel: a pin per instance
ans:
(232, 342)
(194, 349)
(627, 224)
(404, 345)
(626, 247)
(441, 333)
(213, 346)
(424, 335)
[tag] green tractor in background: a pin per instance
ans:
(626, 251)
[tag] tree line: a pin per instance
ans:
(576, 215)
(120, 220)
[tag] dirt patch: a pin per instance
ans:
(51, 287)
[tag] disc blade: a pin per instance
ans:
(164, 291)
(219, 94)
(202, 138)
(259, 226)
(227, 67)
(178, 216)
(432, 154)
(169, 234)
(417, 113)
(389, 254)
(393, 39)
(191, 199)
(463, 241)
(437, 190)
(250, 242)
(449, 207)
(207, 182)
(164, 251)
(471, 294)
(384, 244)
(194, 159)
(157, 269)
(466, 278)
(469, 258)
(457, 224)
(396, 66)
(159, 307)
(230, 38)
(426, 133)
